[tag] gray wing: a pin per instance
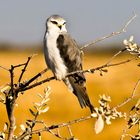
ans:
(71, 56)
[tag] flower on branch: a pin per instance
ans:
(131, 46)
(105, 113)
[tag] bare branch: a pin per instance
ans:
(69, 123)
(23, 86)
(23, 70)
(114, 56)
(72, 73)
(131, 97)
(10, 104)
(4, 68)
(123, 29)
(19, 65)
(70, 131)
(12, 78)
(49, 128)
(127, 23)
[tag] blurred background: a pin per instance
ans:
(22, 27)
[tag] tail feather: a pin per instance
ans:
(79, 90)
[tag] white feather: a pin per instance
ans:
(67, 82)
(53, 58)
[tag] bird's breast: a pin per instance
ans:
(54, 59)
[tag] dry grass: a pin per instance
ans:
(118, 83)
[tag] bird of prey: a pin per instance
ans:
(63, 56)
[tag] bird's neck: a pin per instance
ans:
(52, 32)
(56, 32)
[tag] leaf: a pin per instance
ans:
(44, 110)
(22, 127)
(46, 100)
(131, 38)
(94, 115)
(28, 124)
(108, 120)
(99, 125)
(101, 74)
(125, 42)
(5, 89)
(47, 91)
(32, 112)
(38, 104)
(29, 120)
(40, 96)
(137, 106)
(104, 70)
(5, 127)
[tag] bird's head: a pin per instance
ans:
(56, 24)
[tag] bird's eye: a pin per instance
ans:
(54, 22)
(64, 23)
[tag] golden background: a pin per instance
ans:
(118, 83)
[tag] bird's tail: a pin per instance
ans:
(80, 91)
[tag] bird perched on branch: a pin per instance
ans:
(63, 56)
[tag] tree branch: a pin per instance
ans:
(24, 69)
(23, 86)
(4, 68)
(72, 73)
(123, 29)
(10, 103)
(54, 127)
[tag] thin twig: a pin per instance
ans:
(126, 135)
(4, 68)
(131, 97)
(36, 84)
(70, 131)
(33, 123)
(19, 65)
(23, 86)
(57, 134)
(54, 127)
(129, 21)
(12, 79)
(114, 56)
(24, 69)
(123, 29)
(67, 123)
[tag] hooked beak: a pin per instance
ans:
(60, 27)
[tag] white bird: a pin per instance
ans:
(63, 56)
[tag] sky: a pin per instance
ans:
(23, 21)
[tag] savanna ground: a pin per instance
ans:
(118, 83)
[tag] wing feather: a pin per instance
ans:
(71, 56)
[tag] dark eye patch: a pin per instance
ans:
(54, 22)
(64, 23)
